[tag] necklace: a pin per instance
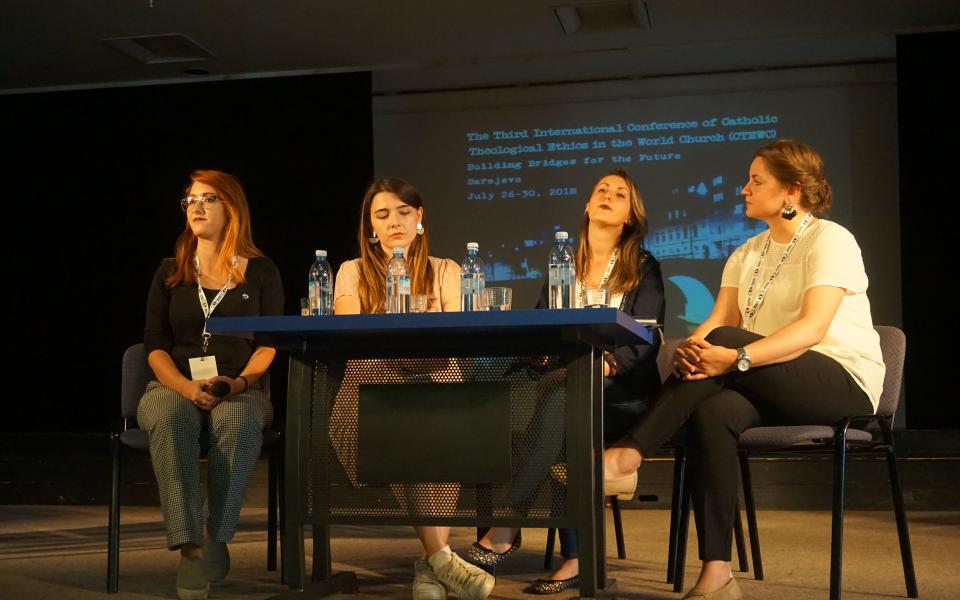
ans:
(753, 305)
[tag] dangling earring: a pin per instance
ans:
(419, 228)
(788, 212)
(373, 238)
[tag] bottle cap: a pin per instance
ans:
(473, 245)
(320, 252)
(560, 235)
(398, 251)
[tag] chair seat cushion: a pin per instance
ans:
(137, 438)
(758, 438)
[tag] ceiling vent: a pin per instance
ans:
(158, 49)
(603, 17)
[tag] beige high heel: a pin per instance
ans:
(731, 591)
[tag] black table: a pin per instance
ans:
(458, 374)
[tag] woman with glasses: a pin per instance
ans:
(206, 381)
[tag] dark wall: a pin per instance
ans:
(93, 180)
(929, 130)
(90, 206)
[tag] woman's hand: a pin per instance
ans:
(686, 358)
(198, 393)
(711, 360)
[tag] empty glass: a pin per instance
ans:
(497, 298)
(418, 303)
(595, 297)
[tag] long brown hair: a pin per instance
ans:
(626, 273)
(237, 239)
(373, 260)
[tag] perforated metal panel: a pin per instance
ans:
(537, 406)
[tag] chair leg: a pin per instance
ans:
(618, 527)
(272, 509)
(751, 507)
(741, 542)
(281, 498)
(679, 471)
(839, 489)
(113, 533)
(548, 553)
(682, 533)
(896, 489)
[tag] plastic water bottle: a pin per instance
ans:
(562, 273)
(320, 285)
(398, 284)
(472, 282)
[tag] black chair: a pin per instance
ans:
(135, 376)
(838, 440)
(664, 356)
(617, 530)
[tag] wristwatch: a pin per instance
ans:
(743, 360)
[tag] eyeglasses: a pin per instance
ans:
(204, 200)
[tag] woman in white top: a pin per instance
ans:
(790, 341)
(392, 217)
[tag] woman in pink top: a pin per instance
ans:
(392, 216)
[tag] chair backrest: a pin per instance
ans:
(665, 357)
(893, 345)
(135, 377)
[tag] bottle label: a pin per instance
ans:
(471, 284)
(554, 274)
(404, 285)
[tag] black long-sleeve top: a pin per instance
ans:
(174, 320)
(637, 364)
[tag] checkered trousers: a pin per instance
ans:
(174, 426)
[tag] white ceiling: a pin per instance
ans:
(415, 45)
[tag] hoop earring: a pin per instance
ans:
(373, 238)
(788, 212)
(419, 228)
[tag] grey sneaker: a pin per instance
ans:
(192, 583)
(425, 584)
(216, 560)
(465, 580)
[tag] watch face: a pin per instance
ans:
(743, 364)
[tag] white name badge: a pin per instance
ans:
(203, 368)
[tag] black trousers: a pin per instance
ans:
(622, 406)
(811, 389)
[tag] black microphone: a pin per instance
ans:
(220, 389)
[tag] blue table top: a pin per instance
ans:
(383, 334)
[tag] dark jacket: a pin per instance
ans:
(637, 364)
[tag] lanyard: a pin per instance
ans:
(208, 309)
(750, 312)
(606, 274)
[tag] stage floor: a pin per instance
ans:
(60, 552)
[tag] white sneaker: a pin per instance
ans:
(425, 584)
(465, 580)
